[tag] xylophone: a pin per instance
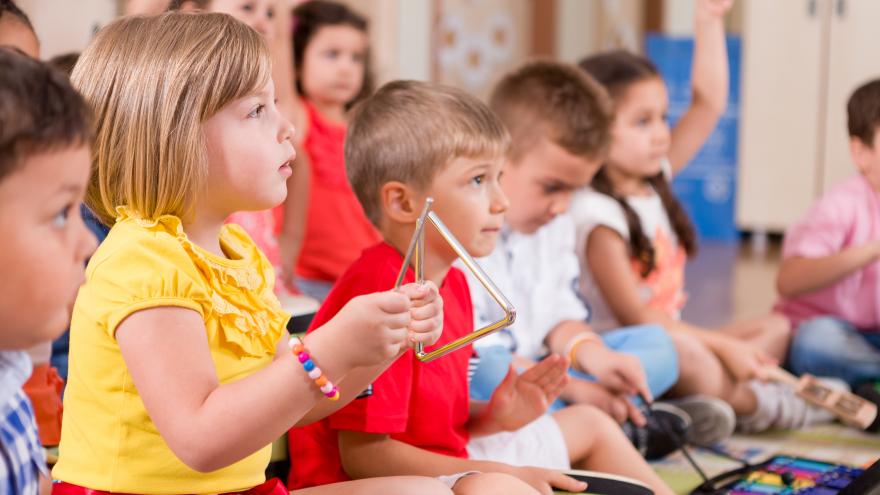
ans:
(786, 475)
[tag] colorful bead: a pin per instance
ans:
(327, 388)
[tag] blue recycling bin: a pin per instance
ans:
(707, 186)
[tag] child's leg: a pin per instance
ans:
(397, 485)
(654, 348)
(596, 443)
(701, 372)
(771, 332)
(492, 483)
(832, 347)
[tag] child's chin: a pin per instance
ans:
(484, 249)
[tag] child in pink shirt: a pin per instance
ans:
(830, 277)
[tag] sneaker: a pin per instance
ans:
(712, 419)
(779, 407)
(663, 434)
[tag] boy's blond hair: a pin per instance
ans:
(152, 82)
(410, 130)
(556, 101)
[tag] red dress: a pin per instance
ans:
(336, 230)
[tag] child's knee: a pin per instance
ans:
(700, 371)
(778, 329)
(492, 484)
(428, 486)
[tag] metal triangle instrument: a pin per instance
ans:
(415, 254)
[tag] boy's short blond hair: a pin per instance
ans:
(410, 130)
(557, 101)
(152, 82)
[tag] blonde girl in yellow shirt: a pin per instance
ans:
(181, 374)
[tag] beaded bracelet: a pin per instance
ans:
(299, 350)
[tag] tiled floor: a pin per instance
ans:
(729, 282)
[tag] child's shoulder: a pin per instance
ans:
(845, 200)
(591, 209)
(133, 244)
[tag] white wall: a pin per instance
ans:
(65, 25)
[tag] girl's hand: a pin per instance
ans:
(521, 399)
(743, 360)
(545, 480)
(371, 329)
(713, 9)
(427, 312)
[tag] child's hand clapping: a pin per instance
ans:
(521, 399)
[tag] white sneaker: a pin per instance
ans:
(779, 407)
(712, 419)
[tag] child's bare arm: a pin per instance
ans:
(709, 83)
(367, 455)
(800, 275)
(609, 264)
(167, 354)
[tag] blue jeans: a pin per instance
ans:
(828, 346)
(649, 343)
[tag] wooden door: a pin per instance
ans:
(782, 72)
(852, 61)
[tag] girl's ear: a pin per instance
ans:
(400, 203)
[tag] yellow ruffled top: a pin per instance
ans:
(108, 441)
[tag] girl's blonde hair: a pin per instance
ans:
(151, 83)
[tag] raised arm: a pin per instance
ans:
(709, 83)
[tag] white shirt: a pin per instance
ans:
(538, 273)
(664, 287)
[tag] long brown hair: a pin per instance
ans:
(617, 71)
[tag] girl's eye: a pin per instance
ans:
(60, 218)
(248, 7)
(478, 180)
(256, 112)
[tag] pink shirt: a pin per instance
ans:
(847, 216)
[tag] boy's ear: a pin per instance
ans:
(400, 203)
(860, 153)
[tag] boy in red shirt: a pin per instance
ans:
(408, 142)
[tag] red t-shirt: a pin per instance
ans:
(422, 404)
(337, 229)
